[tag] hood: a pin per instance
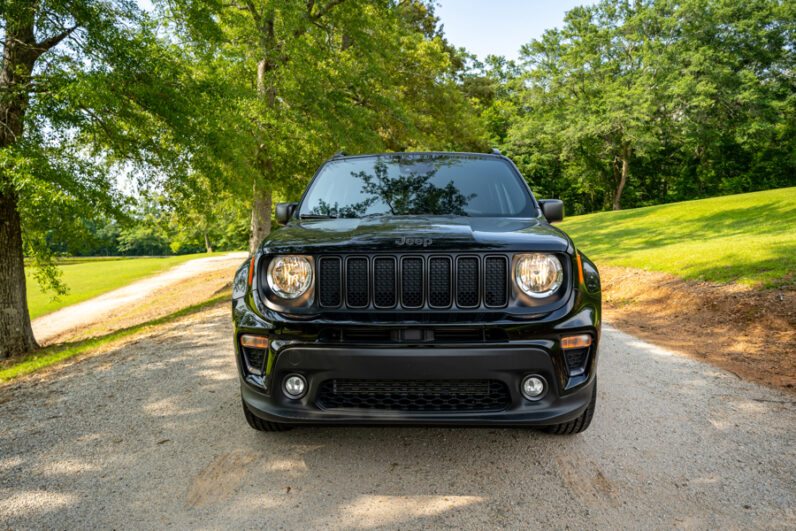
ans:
(416, 234)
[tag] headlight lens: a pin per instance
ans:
(290, 276)
(538, 275)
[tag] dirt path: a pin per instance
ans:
(97, 312)
(748, 331)
(152, 436)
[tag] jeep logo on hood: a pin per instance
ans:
(425, 242)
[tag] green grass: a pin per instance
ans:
(745, 238)
(89, 277)
(50, 355)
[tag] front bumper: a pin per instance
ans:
(506, 364)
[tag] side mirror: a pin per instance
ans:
(284, 211)
(553, 209)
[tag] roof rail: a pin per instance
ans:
(339, 154)
(496, 151)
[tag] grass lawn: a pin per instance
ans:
(88, 278)
(746, 238)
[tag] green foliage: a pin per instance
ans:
(311, 79)
(691, 99)
(748, 238)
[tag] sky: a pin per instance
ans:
(500, 27)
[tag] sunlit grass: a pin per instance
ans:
(89, 277)
(746, 238)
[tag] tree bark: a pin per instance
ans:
(208, 248)
(16, 333)
(623, 178)
(261, 216)
(19, 56)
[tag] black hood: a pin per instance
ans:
(416, 233)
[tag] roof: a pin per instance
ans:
(343, 155)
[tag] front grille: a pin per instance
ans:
(414, 395)
(413, 282)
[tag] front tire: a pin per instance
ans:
(579, 424)
(262, 425)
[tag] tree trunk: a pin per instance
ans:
(261, 216)
(16, 333)
(623, 178)
(19, 56)
(208, 248)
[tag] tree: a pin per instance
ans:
(86, 89)
(344, 74)
(635, 103)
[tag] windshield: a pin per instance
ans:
(423, 184)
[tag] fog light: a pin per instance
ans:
(294, 386)
(533, 387)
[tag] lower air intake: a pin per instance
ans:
(415, 395)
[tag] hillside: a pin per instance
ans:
(746, 238)
(712, 278)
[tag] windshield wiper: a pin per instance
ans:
(317, 216)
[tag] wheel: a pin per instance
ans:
(579, 424)
(262, 425)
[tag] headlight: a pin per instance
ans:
(538, 275)
(290, 276)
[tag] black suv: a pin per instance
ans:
(418, 288)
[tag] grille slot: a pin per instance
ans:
(439, 282)
(329, 282)
(412, 282)
(357, 282)
(384, 285)
(414, 395)
(495, 281)
(467, 282)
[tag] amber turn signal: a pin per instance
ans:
(251, 271)
(581, 341)
(254, 341)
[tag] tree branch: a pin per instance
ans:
(53, 41)
(253, 10)
(323, 10)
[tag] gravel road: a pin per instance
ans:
(152, 436)
(96, 310)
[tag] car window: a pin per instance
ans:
(421, 184)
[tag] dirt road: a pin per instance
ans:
(152, 435)
(97, 310)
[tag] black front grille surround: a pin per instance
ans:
(414, 395)
(434, 281)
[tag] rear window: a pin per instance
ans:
(399, 185)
